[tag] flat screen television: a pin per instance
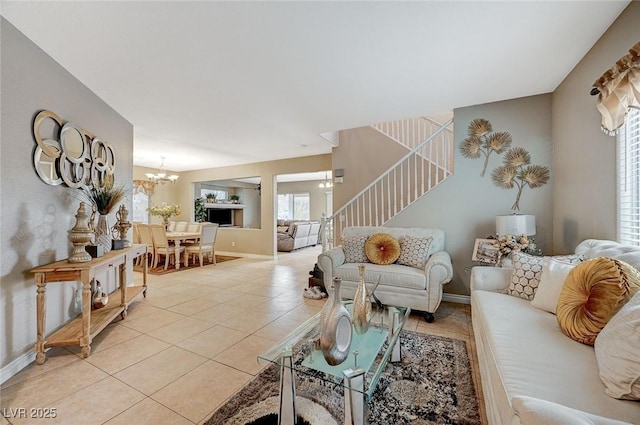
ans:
(224, 217)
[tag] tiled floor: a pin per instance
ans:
(188, 346)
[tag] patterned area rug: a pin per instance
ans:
(432, 385)
(192, 264)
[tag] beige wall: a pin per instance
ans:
(251, 241)
(317, 195)
(36, 217)
(162, 192)
(584, 195)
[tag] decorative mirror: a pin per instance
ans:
(45, 165)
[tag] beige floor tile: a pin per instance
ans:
(221, 295)
(200, 391)
(148, 412)
(95, 404)
(247, 301)
(193, 306)
(220, 313)
(141, 308)
(152, 321)
(123, 355)
(159, 370)
(277, 329)
(250, 321)
(166, 301)
(56, 358)
(213, 341)
(180, 330)
(303, 312)
(46, 389)
(243, 355)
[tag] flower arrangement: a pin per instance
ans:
(165, 211)
(509, 243)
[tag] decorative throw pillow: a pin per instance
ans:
(382, 248)
(552, 280)
(617, 350)
(283, 229)
(414, 252)
(592, 293)
(527, 269)
(534, 411)
(354, 249)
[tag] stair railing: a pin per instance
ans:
(402, 184)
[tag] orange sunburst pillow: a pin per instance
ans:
(592, 293)
(382, 248)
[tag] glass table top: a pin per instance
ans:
(370, 351)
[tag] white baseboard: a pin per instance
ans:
(246, 255)
(455, 298)
(17, 365)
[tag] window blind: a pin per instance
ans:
(629, 180)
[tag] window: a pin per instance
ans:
(140, 206)
(629, 180)
(220, 194)
(293, 206)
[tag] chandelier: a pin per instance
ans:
(326, 183)
(161, 176)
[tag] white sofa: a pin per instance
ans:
(531, 372)
(420, 289)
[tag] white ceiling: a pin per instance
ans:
(209, 84)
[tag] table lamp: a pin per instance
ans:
(516, 224)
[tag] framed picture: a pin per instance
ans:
(485, 252)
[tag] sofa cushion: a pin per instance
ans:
(533, 411)
(389, 275)
(534, 358)
(618, 352)
(414, 252)
(382, 248)
(552, 280)
(592, 293)
(354, 249)
(527, 269)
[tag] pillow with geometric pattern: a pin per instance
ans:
(353, 248)
(414, 252)
(527, 270)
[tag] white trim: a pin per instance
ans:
(246, 255)
(17, 365)
(455, 298)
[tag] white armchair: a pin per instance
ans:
(420, 289)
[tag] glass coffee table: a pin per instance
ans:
(358, 375)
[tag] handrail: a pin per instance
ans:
(374, 203)
(401, 160)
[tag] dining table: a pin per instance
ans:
(178, 238)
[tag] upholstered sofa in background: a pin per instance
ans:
(531, 372)
(400, 284)
(297, 234)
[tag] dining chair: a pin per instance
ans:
(145, 237)
(162, 246)
(193, 227)
(206, 244)
(181, 226)
(171, 227)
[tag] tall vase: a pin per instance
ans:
(336, 332)
(361, 305)
(103, 233)
(165, 222)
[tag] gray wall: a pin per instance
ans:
(36, 217)
(465, 205)
(584, 157)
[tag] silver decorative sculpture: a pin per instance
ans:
(122, 226)
(336, 331)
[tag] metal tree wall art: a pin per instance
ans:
(481, 141)
(516, 171)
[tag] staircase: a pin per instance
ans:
(428, 163)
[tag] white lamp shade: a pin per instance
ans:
(516, 224)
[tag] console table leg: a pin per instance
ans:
(287, 414)
(41, 308)
(354, 406)
(85, 339)
(394, 328)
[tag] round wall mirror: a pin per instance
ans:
(46, 166)
(72, 143)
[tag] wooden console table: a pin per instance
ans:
(87, 325)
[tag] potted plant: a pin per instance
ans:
(200, 210)
(211, 197)
(234, 199)
(104, 200)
